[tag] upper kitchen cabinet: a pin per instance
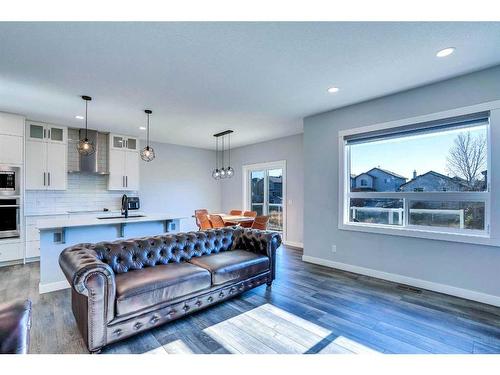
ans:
(123, 163)
(123, 142)
(11, 138)
(46, 133)
(46, 157)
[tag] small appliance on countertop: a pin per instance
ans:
(133, 203)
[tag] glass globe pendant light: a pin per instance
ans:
(148, 153)
(216, 171)
(229, 169)
(85, 147)
(223, 173)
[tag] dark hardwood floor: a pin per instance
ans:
(309, 309)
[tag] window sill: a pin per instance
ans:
(472, 238)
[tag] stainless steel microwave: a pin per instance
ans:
(10, 178)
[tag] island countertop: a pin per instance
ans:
(86, 221)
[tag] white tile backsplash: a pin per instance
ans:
(85, 192)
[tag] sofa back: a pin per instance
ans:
(134, 254)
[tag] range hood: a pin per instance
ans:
(96, 163)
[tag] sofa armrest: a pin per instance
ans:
(15, 325)
(261, 242)
(94, 291)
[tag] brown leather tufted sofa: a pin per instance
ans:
(15, 326)
(125, 287)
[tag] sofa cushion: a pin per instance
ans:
(232, 265)
(140, 289)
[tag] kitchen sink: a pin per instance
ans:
(121, 217)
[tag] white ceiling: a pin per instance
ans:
(259, 79)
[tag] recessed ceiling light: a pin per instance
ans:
(142, 127)
(445, 52)
(79, 117)
(333, 90)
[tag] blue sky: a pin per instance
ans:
(403, 155)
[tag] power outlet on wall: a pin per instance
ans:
(334, 248)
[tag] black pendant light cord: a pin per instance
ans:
(147, 134)
(229, 151)
(86, 111)
(216, 153)
(222, 164)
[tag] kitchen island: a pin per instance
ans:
(57, 234)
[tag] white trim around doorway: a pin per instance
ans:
(246, 186)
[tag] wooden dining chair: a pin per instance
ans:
(217, 221)
(202, 211)
(235, 212)
(260, 222)
(248, 224)
(204, 221)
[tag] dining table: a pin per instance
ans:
(234, 219)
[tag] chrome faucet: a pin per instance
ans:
(124, 210)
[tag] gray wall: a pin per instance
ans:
(472, 267)
(287, 148)
(179, 181)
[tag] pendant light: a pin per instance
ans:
(229, 169)
(222, 172)
(85, 147)
(216, 172)
(148, 153)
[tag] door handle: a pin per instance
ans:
(126, 181)
(48, 178)
(123, 181)
(48, 133)
(44, 179)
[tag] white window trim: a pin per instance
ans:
(491, 234)
(246, 187)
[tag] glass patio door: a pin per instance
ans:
(266, 194)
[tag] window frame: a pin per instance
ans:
(430, 232)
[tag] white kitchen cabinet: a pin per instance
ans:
(46, 157)
(57, 166)
(11, 124)
(123, 142)
(11, 139)
(123, 164)
(39, 131)
(33, 235)
(11, 149)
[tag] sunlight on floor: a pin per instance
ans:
(271, 330)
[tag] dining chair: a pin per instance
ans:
(216, 221)
(260, 222)
(204, 221)
(248, 224)
(199, 211)
(235, 212)
(250, 213)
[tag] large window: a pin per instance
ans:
(426, 177)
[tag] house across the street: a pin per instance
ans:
(377, 179)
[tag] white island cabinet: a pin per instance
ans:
(46, 156)
(123, 163)
(59, 233)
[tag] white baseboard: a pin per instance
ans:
(298, 245)
(51, 287)
(400, 279)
